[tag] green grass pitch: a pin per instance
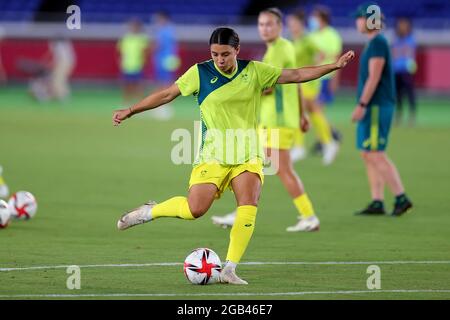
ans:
(85, 173)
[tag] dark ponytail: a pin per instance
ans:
(226, 36)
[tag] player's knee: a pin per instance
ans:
(198, 209)
(250, 201)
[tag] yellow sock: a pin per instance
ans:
(241, 232)
(321, 126)
(2, 182)
(299, 138)
(177, 207)
(304, 206)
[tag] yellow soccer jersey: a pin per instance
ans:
(306, 54)
(329, 43)
(132, 49)
(229, 109)
(281, 107)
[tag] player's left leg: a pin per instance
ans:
(199, 200)
(247, 188)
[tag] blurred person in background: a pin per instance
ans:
(306, 54)
(405, 66)
(133, 49)
(374, 113)
(329, 43)
(62, 65)
(50, 74)
(4, 190)
(165, 59)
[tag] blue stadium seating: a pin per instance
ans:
(195, 11)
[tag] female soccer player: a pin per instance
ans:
(228, 92)
(281, 110)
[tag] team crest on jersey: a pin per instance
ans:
(245, 77)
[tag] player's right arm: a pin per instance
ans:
(152, 101)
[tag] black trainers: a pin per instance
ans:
(374, 208)
(401, 207)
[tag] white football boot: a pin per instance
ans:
(330, 151)
(309, 224)
(297, 154)
(4, 190)
(136, 216)
(224, 221)
(228, 275)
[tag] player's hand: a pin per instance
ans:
(304, 123)
(120, 115)
(345, 59)
(358, 113)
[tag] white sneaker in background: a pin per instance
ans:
(309, 224)
(163, 113)
(330, 151)
(298, 153)
(224, 221)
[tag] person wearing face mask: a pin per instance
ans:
(329, 44)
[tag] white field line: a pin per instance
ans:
(265, 263)
(299, 293)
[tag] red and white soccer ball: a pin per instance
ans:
(23, 205)
(202, 266)
(5, 214)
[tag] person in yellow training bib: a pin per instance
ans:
(133, 49)
(281, 110)
(329, 43)
(306, 53)
(228, 92)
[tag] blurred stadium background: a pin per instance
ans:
(28, 24)
(85, 173)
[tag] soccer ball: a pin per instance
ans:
(23, 205)
(5, 214)
(202, 266)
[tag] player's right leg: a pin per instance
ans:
(4, 190)
(199, 200)
(247, 188)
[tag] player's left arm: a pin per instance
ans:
(306, 74)
(376, 65)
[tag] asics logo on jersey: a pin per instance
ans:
(213, 80)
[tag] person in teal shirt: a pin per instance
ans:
(374, 113)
